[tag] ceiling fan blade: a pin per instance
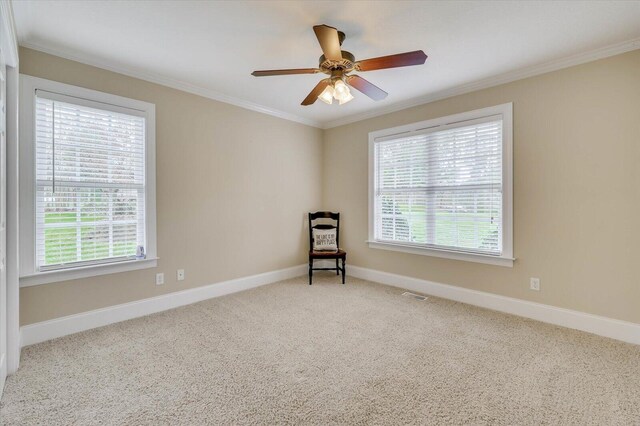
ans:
(364, 86)
(313, 95)
(266, 73)
(416, 57)
(329, 42)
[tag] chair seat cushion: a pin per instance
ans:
(339, 253)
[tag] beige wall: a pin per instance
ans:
(233, 187)
(576, 189)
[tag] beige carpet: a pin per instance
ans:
(326, 354)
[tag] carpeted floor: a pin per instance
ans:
(289, 353)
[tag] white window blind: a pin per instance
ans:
(90, 183)
(441, 189)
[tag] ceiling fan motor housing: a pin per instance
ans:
(347, 63)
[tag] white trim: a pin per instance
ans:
(3, 373)
(86, 271)
(9, 40)
(57, 89)
(507, 77)
(13, 247)
(51, 329)
(9, 45)
(505, 111)
(90, 103)
(444, 254)
(171, 82)
(531, 71)
(28, 86)
(602, 326)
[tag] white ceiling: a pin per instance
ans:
(212, 47)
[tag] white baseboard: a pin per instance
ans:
(3, 372)
(47, 330)
(603, 326)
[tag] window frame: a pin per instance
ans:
(441, 123)
(29, 275)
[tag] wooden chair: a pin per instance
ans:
(337, 255)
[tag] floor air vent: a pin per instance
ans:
(415, 296)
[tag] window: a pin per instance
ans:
(91, 182)
(443, 187)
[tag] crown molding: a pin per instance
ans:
(508, 77)
(170, 82)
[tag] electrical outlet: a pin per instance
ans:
(160, 278)
(534, 284)
(180, 275)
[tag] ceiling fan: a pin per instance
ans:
(339, 63)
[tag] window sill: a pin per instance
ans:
(86, 271)
(446, 254)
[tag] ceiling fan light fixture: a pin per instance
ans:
(327, 95)
(341, 90)
(345, 99)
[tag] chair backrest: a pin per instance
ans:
(334, 217)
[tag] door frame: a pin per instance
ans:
(9, 45)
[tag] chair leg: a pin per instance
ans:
(344, 269)
(310, 270)
(337, 267)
